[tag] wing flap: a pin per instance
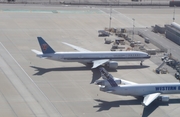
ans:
(76, 47)
(150, 98)
(97, 63)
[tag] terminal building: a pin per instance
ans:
(173, 32)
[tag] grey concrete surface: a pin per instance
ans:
(20, 92)
(31, 86)
(87, 1)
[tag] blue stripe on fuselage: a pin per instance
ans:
(108, 58)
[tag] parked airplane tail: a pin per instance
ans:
(46, 49)
(105, 75)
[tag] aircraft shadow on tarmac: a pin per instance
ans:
(41, 71)
(95, 76)
(105, 105)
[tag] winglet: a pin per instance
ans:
(108, 77)
(46, 49)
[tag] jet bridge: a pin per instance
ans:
(159, 69)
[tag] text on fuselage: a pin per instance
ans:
(163, 88)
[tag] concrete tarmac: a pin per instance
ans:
(34, 87)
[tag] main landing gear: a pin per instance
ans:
(141, 63)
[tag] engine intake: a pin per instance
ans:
(164, 98)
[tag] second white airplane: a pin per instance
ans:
(150, 92)
(96, 58)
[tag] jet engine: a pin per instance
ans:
(112, 64)
(106, 83)
(164, 98)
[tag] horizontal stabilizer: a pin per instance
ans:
(36, 51)
(125, 82)
(109, 91)
(40, 54)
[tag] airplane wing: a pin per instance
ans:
(97, 63)
(76, 47)
(150, 98)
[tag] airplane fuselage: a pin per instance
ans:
(88, 57)
(144, 89)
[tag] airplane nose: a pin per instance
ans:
(149, 56)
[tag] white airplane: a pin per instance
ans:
(150, 92)
(86, 57)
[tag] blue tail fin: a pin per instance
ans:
(46, 49)
(108, 77)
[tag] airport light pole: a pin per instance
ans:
(110, 19)
(133, 29)
(118, 2)
(79, 2)
(174, 13)
(151, 2)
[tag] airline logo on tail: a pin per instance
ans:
(44, 47)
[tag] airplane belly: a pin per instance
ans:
(127, 91)
(171, 92)
(132, 91)
(128, 59)
(53, 58)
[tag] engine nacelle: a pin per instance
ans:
(112, 64)
(106, 83)
(164, 98)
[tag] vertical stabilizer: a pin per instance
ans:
(105, 75)
(46, 49)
